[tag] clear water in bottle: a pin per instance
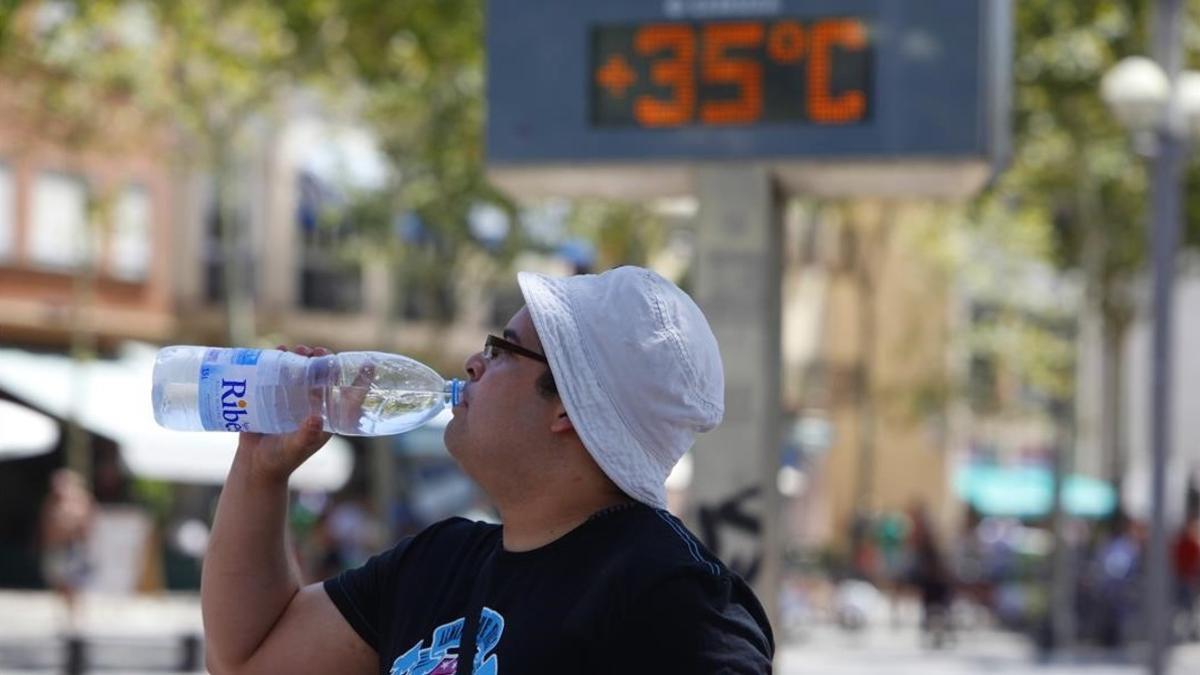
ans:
(374, 394)
(272, 391)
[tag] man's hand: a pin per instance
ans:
(274, 457)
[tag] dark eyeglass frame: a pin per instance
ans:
(494, 342)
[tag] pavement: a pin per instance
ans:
(149, 635)
(144, 634)
(879, 650)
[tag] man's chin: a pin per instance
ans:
(452, 438)
(461, 457)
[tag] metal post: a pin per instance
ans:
(75, 655)
(191, 656)
(1164, 241)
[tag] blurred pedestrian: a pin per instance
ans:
(65, 523)
(355, 531)
(932, 577)
(1185, 563)
(891, 536)
(1119, 562)
(570, 423)
(864, 555)
(891, 532)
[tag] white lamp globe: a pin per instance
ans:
(1187, 100)
(1136, 90)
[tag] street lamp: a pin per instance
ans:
(1138, 92)
(1187, 93)
(1161, 107)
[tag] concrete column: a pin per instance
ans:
(377, 295)
(733, 498)
(278, 250)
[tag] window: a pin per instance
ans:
(60, 237)
(330, 280)
(8, 215)
(131, 234)
(328, 283)
(420, 299)
(423, 289)
(214, 251)
(214, 258)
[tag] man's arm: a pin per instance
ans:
(257, 618)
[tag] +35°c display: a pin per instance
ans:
(736, 72)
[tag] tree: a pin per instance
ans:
(420, 69)
(420, 66)
(1074, 170)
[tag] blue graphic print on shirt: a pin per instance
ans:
(438, 659)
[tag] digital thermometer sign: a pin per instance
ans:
(626, 97)
(731, 72)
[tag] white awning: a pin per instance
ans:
(25, 432)
(111, 398)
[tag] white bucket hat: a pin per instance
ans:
(637, 367)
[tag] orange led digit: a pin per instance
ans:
(785, 43)
(717, 67)
(823, 104)
(674, 70)
(616, 76)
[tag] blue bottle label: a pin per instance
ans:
(232, 383)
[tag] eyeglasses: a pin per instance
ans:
(494, 343)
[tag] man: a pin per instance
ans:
(570, 423)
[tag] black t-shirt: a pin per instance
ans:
(628, 591)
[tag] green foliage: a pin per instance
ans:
(1021, 333)
(624, 233)
(1033, 353)
(222, 61)
(420, 65)
(157, 496)
(1075, 174)
(1072, 167)
(1076, 192)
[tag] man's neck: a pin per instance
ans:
(536, 523)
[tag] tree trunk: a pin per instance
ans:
(83, 350)
(1112, 339)
(864, 391)
(239, 304)
(83, 333)
(870, 252)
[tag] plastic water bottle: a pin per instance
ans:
(273, 391)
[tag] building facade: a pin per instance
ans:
(84, 238)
